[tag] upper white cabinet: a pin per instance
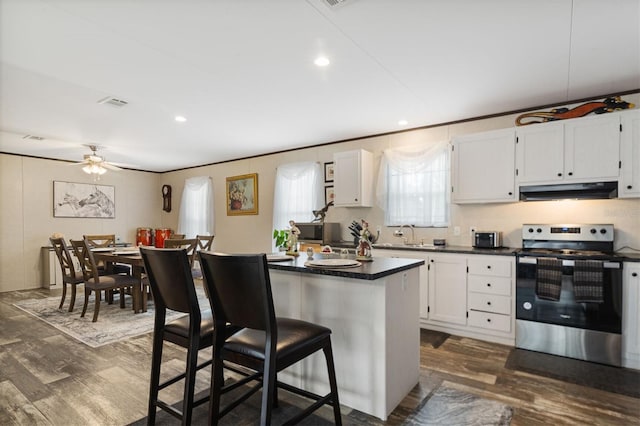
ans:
(353, 178)
(484, 167)
(578, 150)
(629, 183)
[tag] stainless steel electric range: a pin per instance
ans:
(569, 292)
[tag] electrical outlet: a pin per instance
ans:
(456, 231)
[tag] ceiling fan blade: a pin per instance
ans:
(110, 166)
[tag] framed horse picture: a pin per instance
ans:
(83, 200)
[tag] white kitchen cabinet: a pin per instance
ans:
(491, 286)
(629, 183)
(483, 167)
(448, 288)
(471, 295)
(631, 315)
(353, 178)
(424, 274)
(583, 149)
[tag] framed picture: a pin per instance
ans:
(328, 172)
(242, 194)
(328, 194)
(83, 200)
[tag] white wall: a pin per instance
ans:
(26, 206)
(26, 219)
(253, 233)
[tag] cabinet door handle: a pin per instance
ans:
(629, 186)
(634, 274)
(488, 284)
(489, 303)
(488, 319)
(510, 193)
(488, 266)
(570, 173)
(559, 174)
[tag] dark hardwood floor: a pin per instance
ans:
(47, 377)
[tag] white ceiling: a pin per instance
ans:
(242, 72)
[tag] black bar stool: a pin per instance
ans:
(172, 286)
(240, 294)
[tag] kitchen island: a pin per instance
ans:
(373, 312)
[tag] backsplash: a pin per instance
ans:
(624, 214)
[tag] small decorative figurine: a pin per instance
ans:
(363, 251)
(292, 242)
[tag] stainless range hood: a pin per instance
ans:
(569, 191)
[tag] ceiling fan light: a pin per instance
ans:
(87, 169)
(101, 170)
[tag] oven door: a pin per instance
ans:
(604, 317)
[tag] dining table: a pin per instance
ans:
(131, 257)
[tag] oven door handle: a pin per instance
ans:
(566, 262)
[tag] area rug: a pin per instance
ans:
(604, 377)
(113, 325)
(449, 406)
(445, 406)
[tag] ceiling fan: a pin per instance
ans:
(93, 164)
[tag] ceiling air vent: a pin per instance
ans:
(110, 100)
(33, 138)
(333, 3)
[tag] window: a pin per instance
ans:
(298, 191)
(196, 215)
(413, 186)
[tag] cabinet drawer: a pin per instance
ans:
(490, 321)
(490, 285)
(490, 303)
(489, 265)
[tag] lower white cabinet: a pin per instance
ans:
(466, 294)
(630, 315)
(448, 289)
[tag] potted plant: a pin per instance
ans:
(281, 237)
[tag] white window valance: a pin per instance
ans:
(413, 185)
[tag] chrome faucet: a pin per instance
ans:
(400, 233)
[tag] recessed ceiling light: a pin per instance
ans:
(180, 119)
(322, 61)
(403, 123)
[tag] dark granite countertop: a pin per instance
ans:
(629, 256)
(379, 267)
(503, 251)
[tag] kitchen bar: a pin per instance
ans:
(373, 312)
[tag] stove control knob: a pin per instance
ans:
(593, 230)
(603, 231)
(539, 230)
(530, 229)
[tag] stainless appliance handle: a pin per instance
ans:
(567, 262)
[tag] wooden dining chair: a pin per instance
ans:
(104, 241)
(178, 236)
(70, 275)
(239, 291)
(189, 244)
(94, 282)
(173, 289)
(204, 242)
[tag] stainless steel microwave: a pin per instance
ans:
(320, 233)
(487, 239)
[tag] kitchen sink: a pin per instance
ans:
(402, 245)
